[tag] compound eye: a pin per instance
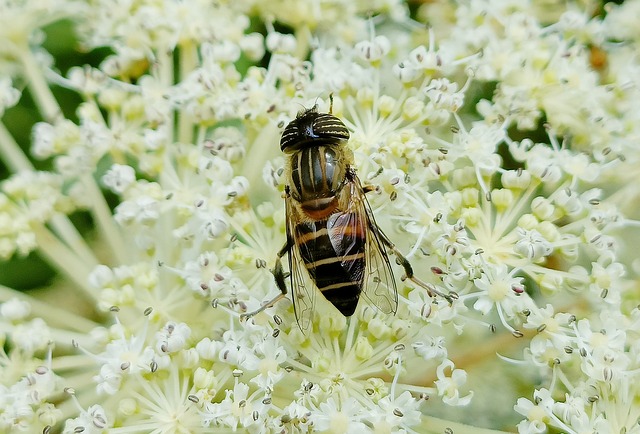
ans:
(330, 127)
(311, 127)
(290, 137)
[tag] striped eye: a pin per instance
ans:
(329, 126)
(311, 127)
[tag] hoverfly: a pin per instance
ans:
(333, 241)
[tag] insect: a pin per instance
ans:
(333, 242)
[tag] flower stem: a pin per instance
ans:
(434, 425)
(164, 73)
(10, 152)
(188, 61)
(72, 362)
(303, 36)
(104, 221)
(262, 149)
(65, 260)
(55, 317)
(40, 91)
(63, 227)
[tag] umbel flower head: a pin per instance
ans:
(499, 139)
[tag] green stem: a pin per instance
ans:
(105, 223)
(72, 362)
(11, 153)
(65, 260)
(53, 316)
(164, 61)
(303, 35)
(188, 62)
(438, 426)
(261, 149)
(40, 91)
(63, 227)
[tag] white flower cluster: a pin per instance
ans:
(500, 144)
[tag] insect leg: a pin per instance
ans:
(408, 269)
(279, 276)
(368, 188)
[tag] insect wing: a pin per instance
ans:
(302, 288)
(379, 285)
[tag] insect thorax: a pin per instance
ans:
(318, 173)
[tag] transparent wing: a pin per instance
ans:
(303, 290)
(379, 286)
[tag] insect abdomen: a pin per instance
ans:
(335, 260)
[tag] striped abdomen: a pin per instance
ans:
(333, 251)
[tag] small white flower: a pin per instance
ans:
(269, 357)
(88, 80)
(93, 421)
(32, 336)
(207, 275)
(119, 177)
(431, 348)
(9, 95)
(228, 143)
(520, 179)
(532, 245)
(156, 104)
(425, 58)
(572, 408)
(101, 277)
(405, 73)
(399, 413)
(479, 145)
(280, 43)
(207, 349)
(154, 140)
(453, 241)
(142, 210)
(15, 309)
(172, 337)
(619, 21)
(537, 417)
(499, 288)
(334, 416)
(448, 387)
(606, 365)
(297, 416)
(252, 46)
(373, 50)
(39, 385)
(543, 165)
(214, 226)
(444, 95)
(236, 410)
(125, 356)
(43, 138)
(225, 51)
